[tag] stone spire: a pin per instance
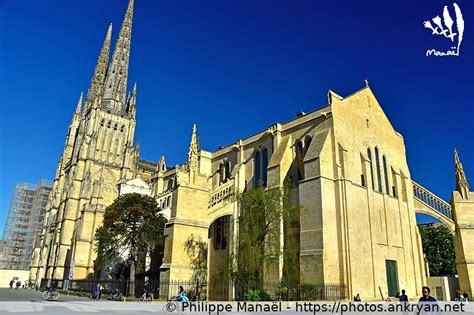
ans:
(461, 182)
(97, 85)
(117, 74)
(193, 151)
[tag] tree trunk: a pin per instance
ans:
(131, 287)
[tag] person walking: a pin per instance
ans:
(98, 291)
(403, 297)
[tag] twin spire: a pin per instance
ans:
(97, 85)
(109, 84)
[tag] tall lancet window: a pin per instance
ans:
(257, 170)
(379, 173)
(385, 174)
(369, 155)
(264, 166)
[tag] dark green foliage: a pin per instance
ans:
(131, 225)
(256, 295)
(284, 293)
(309, 292)
(438, 246)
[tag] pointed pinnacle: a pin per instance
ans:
(108, 36)
(79, 104)
(134, 91)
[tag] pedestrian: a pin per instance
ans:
(465, 297)
(458, 296)
(357, 298)
(426, 295)
(98, 291)
(18, 284)
(403, 297)
(11, 283)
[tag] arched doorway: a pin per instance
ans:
(218, 258)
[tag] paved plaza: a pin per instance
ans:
(30, 301)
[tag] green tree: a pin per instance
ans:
(132, 225)
(262, 213)
(438, 246)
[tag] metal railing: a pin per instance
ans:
(212, 291)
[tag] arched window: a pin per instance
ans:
(379, 174)
(385, 174)
(264, 166)
(170, 184)
(257, 169)
(369, 155)
(394, 181)
(299, 160)
(226, 171)
(220, 229)
(220, 173)
(363, 176)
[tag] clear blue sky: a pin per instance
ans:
(221, 63)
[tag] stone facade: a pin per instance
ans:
(462, 201)
(99, 153)
(345, 163)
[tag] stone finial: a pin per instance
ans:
(366, 82)
(161, 167)
(193, 151)
(461, 182)
(79, 105)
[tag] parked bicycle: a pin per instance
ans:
(116, 296)
(147, 296)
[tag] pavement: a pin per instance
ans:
(29, 302)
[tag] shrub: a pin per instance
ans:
(256, 295)
(309, 292)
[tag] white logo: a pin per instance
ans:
(447, 31)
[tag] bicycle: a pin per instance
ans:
(50, 295)
(146, 297)
(116, 296)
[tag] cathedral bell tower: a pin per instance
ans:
(99, 152)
